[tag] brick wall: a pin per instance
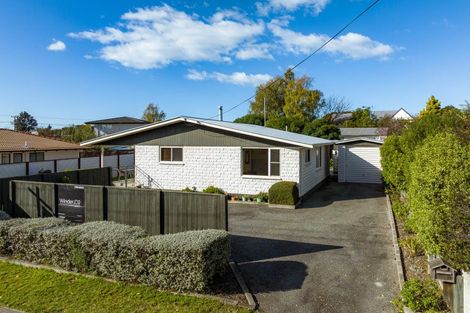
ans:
(204, 166)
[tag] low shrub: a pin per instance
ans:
(421, 296)
(182, 261)
(284, 192)
(401, 210)
(187, 189)
(263, 196)
(213, 189)
(4, 216)
(411, 245)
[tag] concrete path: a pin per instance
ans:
(334, 254)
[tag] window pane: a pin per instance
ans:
(255, 162)
(32, 157)
(275, 169)
(5, 158)
(165, 154)
(274, 155)
(307, 156)
(17, 158)
(40, 156)
(178, 154)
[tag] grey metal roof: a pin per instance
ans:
(119, 120)
(351, 140)
(247, 129)
(362, 131)
(380, 114)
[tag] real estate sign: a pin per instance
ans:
(71, 203)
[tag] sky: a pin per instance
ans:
(70, 61)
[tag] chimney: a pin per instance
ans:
(221, 113)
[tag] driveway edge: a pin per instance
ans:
(248, 295)
(396, 247)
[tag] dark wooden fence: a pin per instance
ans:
(157, 211)
(96, 176)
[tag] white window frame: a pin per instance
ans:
(269, 176)
(318, 157)
(171, 155)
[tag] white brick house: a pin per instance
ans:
(238, 158)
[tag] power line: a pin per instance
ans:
(309, 56)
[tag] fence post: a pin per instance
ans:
(56, 200)
(27, 168)
(105, 203)
(55, 166)
(79, 163)
(13, 198)
(226, 212)
(38, 203)
(162, 212)
(118, 159)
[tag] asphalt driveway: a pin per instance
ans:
(334, 254)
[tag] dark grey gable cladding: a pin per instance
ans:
(189, 134)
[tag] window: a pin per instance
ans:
(17, 157)
(261, 162)
(36, 156)
(318, 157)
(5, 158)
(307, 156)
(171, 154)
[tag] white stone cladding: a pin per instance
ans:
(205, 166)
(311, 175)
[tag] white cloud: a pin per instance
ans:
(350, 45)
(254, 51)
(56, 45)
(155, 37)
(315, 6)
(236, 78)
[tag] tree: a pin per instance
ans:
(393, 163)
(322, 128)
(25, 122)
(292, 124)
(361, 117)
(287, 96)
(153, 114)
(251, 118)
(45, 131)
(433, 106)
(327, 108)
(440, 198)
(393, 126)
(77, 133)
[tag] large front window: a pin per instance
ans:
(36, 156)
(261, 162)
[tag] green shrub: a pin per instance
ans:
(412, 245)
(213, 189)
(401, 210)
(263, 196)
(421, 296)
(439, 198)
(284, 192)
(393, 163)
(187, 189)
(4, 216)
(183, 261)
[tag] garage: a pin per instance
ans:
(359, 161)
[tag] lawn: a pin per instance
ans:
(41, 290)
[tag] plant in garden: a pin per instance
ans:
(439, 198)
(420, 296)
(411, 245)
(187, 189)
(213, 189)
(284, 192)
(401, 210)
(393, 162)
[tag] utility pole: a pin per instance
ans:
(264, 110)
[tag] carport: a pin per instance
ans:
(359, 161)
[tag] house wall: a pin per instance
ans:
(62, 154)
(310, 175)
(402, 114)
(203, 166)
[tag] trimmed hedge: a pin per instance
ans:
(284, 192)
(183, 261)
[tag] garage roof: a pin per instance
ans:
(246, 129)
(351, 140)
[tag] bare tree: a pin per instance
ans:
(331, 105)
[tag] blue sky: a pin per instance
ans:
(70, 61)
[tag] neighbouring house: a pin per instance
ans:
(401, 113)
(379, 133)
(238, 158)
(115, 124)
(18, 147)
(359, 161)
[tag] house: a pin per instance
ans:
(238, 158)
(18, 147)
(379, 133)
(400, 114)
(115, 124)
(359, 161)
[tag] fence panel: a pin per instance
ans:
(67, 165)
(96, 176)
(33, 199)
(192, 211)
(94, 204)
(36, 167)
(133, 206)
(90, 162)
(12, 170)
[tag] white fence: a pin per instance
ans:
(116, 161)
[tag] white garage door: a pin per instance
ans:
(363, 165)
